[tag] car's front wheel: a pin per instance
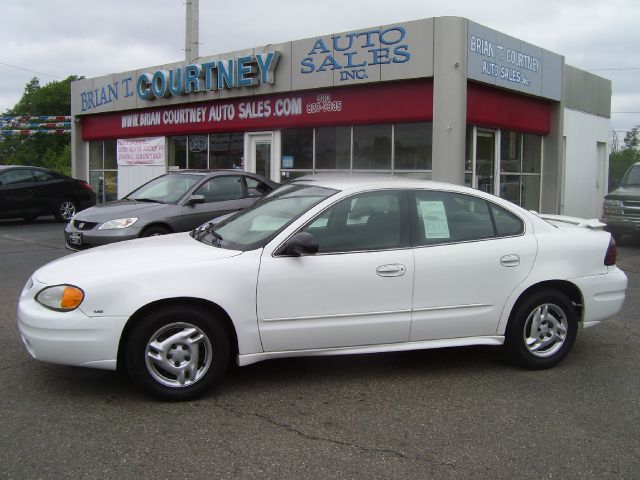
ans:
(154, 231)
(65, 210)
(177, 352)
(542, 330)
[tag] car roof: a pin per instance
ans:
(4, 167)
(361, 181)
(205, 172)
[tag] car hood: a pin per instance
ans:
(134, 257)
(118, 209)
(630, 192)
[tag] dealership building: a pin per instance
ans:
(441, 98)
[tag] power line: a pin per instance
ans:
(29, 70)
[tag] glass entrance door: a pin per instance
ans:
(485, 161)
(260, 155)
(263, 158)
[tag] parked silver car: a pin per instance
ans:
(175, 202)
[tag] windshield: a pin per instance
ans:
(165, 189)
(632, 177)
(254, 227)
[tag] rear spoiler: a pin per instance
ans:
(592, 223)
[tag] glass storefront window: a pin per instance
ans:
(412, 146)
(110, 155)
(96, 160)
(372, 147)
(288, 176)
(510, 151)
(532, 158)
(177, 152)
(198, 151)
(103, 170)
(220, 150)
(110, 186)
(510, 188)
(297, 148)
(531, 192)
(333, 148)
(365, 147)
(416, 175)
(226, 150)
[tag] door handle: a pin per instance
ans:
(391, 270)
(510, 261)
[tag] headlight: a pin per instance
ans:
(613, 203)
(62, 298)
(613, 207)
(117, 223)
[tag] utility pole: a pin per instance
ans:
(192, 33)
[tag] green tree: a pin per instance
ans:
(51, 151)
(626, 156)
(632, 138)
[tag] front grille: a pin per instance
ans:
(80, 225)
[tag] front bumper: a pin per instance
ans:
(603, 295)
(622, 224)
(68, 338)
(95, 238)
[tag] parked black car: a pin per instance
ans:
(175, 202)
(30, 192)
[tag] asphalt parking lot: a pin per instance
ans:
(460, 413)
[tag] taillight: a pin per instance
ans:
(85, 185)
(612, 253)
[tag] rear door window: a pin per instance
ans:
(450, 217)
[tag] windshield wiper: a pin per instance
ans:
(151, 200)
(198, 233)
(218, 237)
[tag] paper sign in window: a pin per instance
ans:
(434, 219)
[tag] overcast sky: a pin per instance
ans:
(52, 39)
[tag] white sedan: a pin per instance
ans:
(326, 265)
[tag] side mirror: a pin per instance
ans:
(194, 200)
(302, 243)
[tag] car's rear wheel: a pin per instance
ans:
(177, 352)
(154, 231)
(65, 210)
(542, 330)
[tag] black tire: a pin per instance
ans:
(65, 210)
(153, 231)
(557, 327)
(199, 347)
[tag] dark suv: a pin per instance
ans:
(29, 192)
(622, 206)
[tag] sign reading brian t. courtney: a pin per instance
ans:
(141, 151)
